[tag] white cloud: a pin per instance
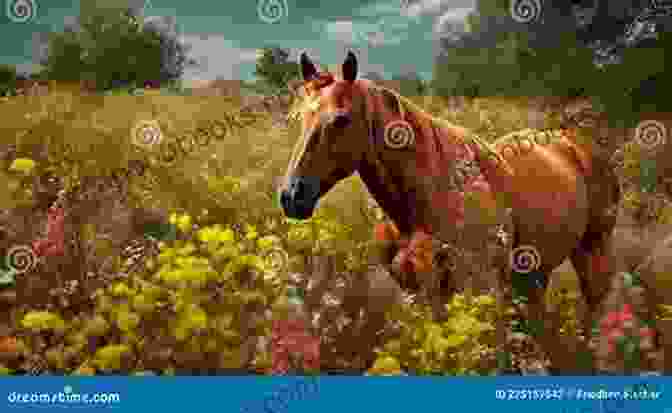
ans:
(436, 7)
(422, 7)
(341, 30)
(217, 56)
(385, 31)
(394, 19)
(451, 21)
(27, 68)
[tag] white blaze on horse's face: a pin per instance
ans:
(329, 146)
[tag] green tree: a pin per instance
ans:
(112, 47)
(275, 69)
(8, 79)
(411, 84)
(559, 54)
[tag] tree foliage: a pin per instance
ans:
(10, 80)
(112, 47)
(411, 84)
(566, 52)
(275, 69)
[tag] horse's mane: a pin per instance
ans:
(406, 105)
(308, 103)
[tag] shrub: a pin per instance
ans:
(461, 345)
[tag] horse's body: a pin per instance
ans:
(559, 194)
(562, 197)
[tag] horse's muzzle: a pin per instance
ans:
(300, 197)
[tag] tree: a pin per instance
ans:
(565, 52)
(411, 84)
(8, 78)
(113, 47)
(275, 69)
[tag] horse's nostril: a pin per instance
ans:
(341, 120)
(297, 189)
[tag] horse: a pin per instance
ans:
(555, 199)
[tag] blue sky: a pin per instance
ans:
(388, 37)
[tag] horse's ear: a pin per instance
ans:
(308, 70)
(350, 67)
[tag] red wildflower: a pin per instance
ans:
(610, 321)
(386, 231)
(600, 264)
(415, 255)
(615, 335)
(625, 316)
(404, 258)
(647, 332)
(292, 339)
(54, 242)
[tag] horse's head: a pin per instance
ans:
(330, 146)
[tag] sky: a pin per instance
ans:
(388, 36)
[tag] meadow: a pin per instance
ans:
(202, 299)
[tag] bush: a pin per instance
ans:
(464, 344)
(201, 299)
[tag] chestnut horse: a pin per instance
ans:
(432, 177)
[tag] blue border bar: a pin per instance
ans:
(329, 394)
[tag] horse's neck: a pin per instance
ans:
(388, 188)
(387, 196)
